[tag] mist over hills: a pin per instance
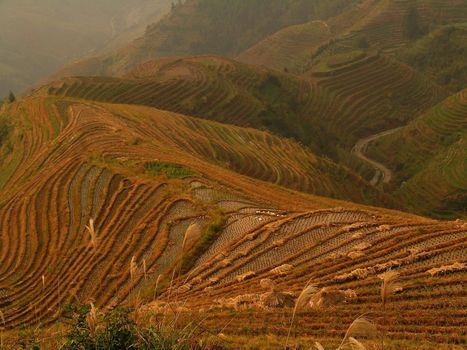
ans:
(38, 37)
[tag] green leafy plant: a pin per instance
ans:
(171, 170)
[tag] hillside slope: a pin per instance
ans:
(208, 87)
(293, 48)
(388, 25)
(441, 55)
(220, 27)
(430, 160)
(326, 108)
(358, 93)
(146, 176)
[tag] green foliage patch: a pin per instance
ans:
(441, 55)
(210, 235)
(171, 170)
(117, 330)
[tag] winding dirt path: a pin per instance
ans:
(382, 173)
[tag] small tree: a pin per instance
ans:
(11, 97)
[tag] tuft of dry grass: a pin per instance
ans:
(267, 283)
(305, 296)
(360, 327)
(318, 346)
(302, 300)
(92, 320)
(158, 281)
(145, 271)
(43, 282)
(390, 285)
(355, 344)
(282, 270)
(133, 268)
(192, 233)
(92, 233)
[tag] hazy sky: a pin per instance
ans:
(37, 37)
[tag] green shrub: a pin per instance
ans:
(117, 331)
(171, 170)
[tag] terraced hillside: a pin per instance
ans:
(430, 160)
(98, 200)
(388, 25)
(343, 98)
(294, 48)
(342, 252)
(209, 87)
(440, 55)
(289, 49)
(357, 94)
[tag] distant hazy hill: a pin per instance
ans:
(221, 27)
(38, 37)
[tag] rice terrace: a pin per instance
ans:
(233, 174)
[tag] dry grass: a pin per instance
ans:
(158, 281)
(133, 268)
(356, 345)
(282, 270)
(390, 285)
(303, 299)
(92, 233)
(192, 233)
(318, 346)
(268, 284)
(145, 271)
(447, 269)
(92, 320)
(361, 327)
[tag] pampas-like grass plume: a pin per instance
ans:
(157, 285)
(191, 232)
(355, 344)
(390, 285)
(43, 282)
(360, 327)
(302, 300)
(92, 233)
(318, 346)
(133, 268)
(305, 296)
(91, 320)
